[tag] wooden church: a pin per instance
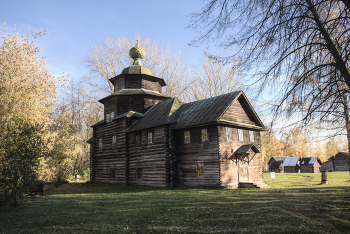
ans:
(147, 138)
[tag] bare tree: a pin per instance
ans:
(212, 78)
(108, 60)
(297, 48)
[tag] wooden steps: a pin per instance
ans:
(248, 184)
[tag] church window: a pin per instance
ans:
(112, 115)
(100, 144)
(150, 137)
(114, 142)
(113, 172)
(139, 173)
(108, 117)
(240, 134)
(204, 134)
(99, 173)
(200, 169)
(137, 139)
(251, 136)
(228, 134)
(187, 137)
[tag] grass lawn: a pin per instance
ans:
(295, 203)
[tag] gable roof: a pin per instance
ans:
(250, 108)
(346, 154)
(275, 164)
(308, 161)
(98, 123)
(245, 148)
(162, 113)
(290, 161)
(278, 158)
(204, 111)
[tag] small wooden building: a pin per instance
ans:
(338, 162)
(147, 138)
(275, 164)
(310, 165)
(291, 165)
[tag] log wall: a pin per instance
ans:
(188, 155)
(238, 112)
(341, 162)
(229, 168)
(291, 169)
(108, 159)
(327, 166)
(119, 84)
(133, 82)
(136, 81)
(122, 104)
(150, 158)
(151, 85)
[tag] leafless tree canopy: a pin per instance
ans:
(109, 59)
(299, 47)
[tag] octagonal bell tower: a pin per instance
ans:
(135, 89)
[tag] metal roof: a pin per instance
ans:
(204, 111)
(308, 161)
(98, 123)
(162, 113)
(129, 114)
(91, 140)
(290, 161)
(124, 92)
(246, 148)
(276, 164)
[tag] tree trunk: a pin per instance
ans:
(339, 63)
(346, 115)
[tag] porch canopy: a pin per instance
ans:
(242, 152)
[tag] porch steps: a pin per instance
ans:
(259, 184)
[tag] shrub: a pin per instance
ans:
(21, 146)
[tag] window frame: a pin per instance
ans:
(99, 173)
(228, 133)
(113, 173)
(139, 173)
(151, 133)
(187, 137)
(204, 135)
(200, 169)
(137, 139)
(251, 136)
(100, 144)
(240, 135)
(114, 141)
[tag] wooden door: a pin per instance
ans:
(242, 171)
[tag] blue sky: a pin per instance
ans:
(74, 26)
